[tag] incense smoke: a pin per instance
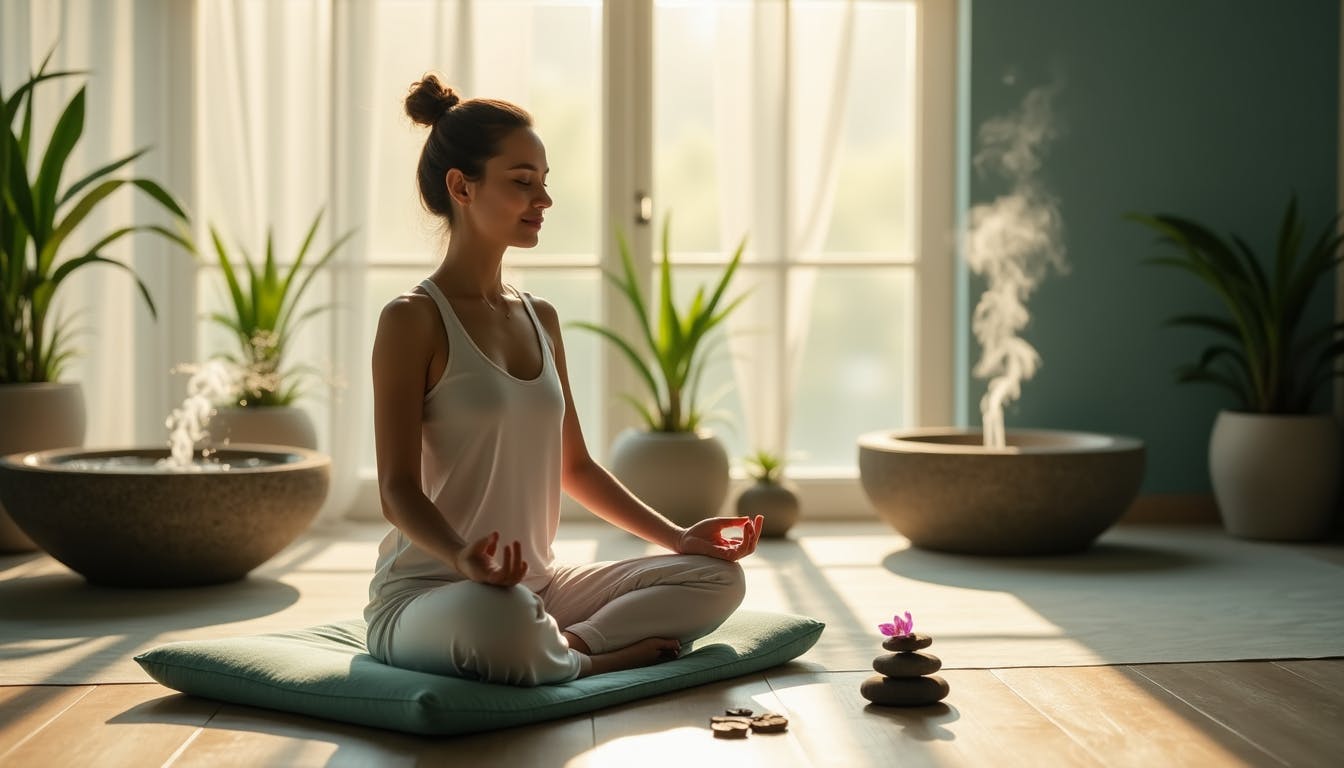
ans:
(1012, 241)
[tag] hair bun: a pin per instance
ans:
(429, 99)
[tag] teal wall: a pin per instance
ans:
(1213, 109)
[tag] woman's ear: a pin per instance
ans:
(459, 188)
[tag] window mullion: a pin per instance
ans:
(627, 175)
(939, 391)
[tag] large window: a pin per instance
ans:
(820, 129)
(794, 124)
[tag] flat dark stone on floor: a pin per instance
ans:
(909, 692)
(907, 664)
(908, 643)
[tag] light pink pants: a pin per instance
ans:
(512, 635)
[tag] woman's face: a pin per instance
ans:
(510, 198)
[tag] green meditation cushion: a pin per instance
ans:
(325, 671)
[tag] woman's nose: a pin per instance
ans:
(544, 200)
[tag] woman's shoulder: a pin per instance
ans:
(410, 312)
(540, 305)
(546, 312)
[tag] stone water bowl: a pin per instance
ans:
(135, 526)
(1047, 492)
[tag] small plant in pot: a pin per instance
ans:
(770, 496)
(674, 463)
(43, 242)
(1274, 458)
(264, 318)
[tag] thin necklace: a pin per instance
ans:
(503, 300)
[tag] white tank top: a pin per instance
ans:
(490, 461)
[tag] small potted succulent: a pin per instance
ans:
(1274, 456)
(264, 302)
(771, 495)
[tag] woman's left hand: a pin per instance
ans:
(706, 537)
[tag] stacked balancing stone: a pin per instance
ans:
(905, 676)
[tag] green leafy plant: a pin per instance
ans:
(671, 338)
(37, 220)
(264, 301)
(764, 466)
(1265, 357)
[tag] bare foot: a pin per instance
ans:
(641, 654)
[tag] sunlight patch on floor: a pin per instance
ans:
(1065, 694)
(678, 748)
(827, 551)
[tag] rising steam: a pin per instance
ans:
(1012, 242)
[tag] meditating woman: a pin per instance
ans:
(476, 437)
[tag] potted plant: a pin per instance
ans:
(674, 463)
(770, 496)
(39, 219)
(1273, 458)
(264, 317)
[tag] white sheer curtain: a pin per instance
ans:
(130, 50)
(283, 133)
(780, 104)
(255, 123)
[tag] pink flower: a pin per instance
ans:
(899, 627)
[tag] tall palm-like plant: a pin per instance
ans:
(1265, 358)
(673, 359)
(37, 220)
(264, 302)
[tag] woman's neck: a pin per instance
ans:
(471, 269)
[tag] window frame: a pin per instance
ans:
(627, 180)
(628, 177)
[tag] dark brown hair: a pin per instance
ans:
(462, 135)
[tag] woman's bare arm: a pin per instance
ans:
(594, 487)
(401, 354)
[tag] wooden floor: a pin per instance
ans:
(1214, 714)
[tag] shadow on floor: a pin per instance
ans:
(1103, 560)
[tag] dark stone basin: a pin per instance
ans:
(133, 527)
(1047, 492)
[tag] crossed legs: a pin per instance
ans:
(615, 615)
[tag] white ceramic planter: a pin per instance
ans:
(37, 417)
(683, 475)
(267, 425)
(1275, 477)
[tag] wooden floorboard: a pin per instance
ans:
(1292, 718)
(248, 736)
(1214, 714)
(1325, 672)
(673, 730)
(115, 725)
(1208, 715)
(1123, 719)
(26, 710)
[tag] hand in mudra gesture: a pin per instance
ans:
(707, 537)
(477, 562)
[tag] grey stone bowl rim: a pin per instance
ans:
(1058, 442)
(50, 461)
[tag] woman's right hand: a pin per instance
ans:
(477, 562)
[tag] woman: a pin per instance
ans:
(476, 437)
